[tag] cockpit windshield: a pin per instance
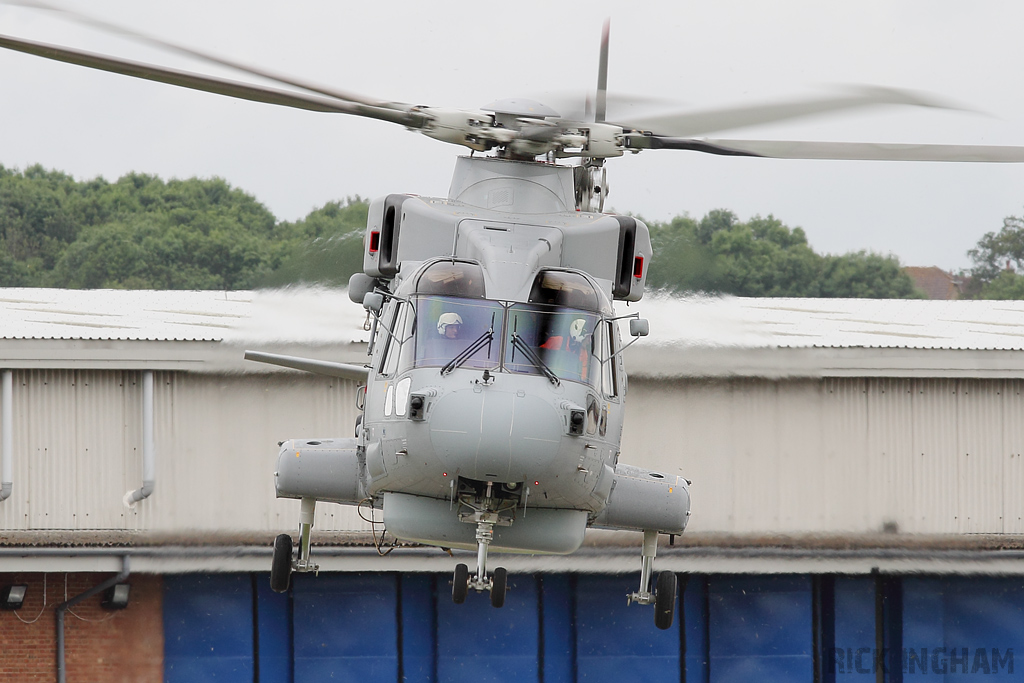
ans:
(558, 334)
(448, 327)
(561, 340)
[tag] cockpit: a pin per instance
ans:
(559, 333)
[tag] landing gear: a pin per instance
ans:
(664, 595)
(496, 584)
(281, 568)
(284, 562)
(486, 511)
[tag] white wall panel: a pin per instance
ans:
(934, 488)
(844, 476)
(46, 435)
(799, 413)
(766, 456)
(890, 452)
(756, 446)
(980, 472)
(838, 455)
(1013, 467)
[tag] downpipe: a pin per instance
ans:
(7, 440)
(148, 445)
(65, 606)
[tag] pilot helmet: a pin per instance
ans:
(578, 330)
(447, 319)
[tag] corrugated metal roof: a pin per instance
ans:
(834, 323)
(327, 316)
(302, 315)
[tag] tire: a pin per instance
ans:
(460, 584)
(499, 584)
(281, 568)
(665, 600)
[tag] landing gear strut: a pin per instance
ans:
(664, 595)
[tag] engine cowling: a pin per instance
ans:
(642, 499)
(325, 469)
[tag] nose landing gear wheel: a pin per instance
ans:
(460, 584)
(665, 600)
(281, 567)
(499, 584)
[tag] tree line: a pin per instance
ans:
(142, 232)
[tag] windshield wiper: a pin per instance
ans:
(480, 342)
(531, 355)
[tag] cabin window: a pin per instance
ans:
(593, 414)
(560, 340)
(452, 278)
(564, 289)
(446, 327)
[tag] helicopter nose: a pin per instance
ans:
(495, 435)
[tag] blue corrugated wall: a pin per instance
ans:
(560, 627)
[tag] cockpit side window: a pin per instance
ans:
(607, 346)
(393, 340)
(452, 278)
(564, 289)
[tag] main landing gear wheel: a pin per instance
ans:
(665, 600)
(460, 584)
(281, 568)
(499, 583)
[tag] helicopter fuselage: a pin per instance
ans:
(496, 383)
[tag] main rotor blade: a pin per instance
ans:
(220, 86)
(601, 107)
(850, 151)
(208, 57)
(687, 124)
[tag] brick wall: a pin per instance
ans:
(100, 645)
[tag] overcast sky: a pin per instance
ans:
(696, 54)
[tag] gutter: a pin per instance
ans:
(234, 559)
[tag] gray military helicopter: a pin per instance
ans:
(493, 401)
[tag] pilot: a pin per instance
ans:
(449, 325)
(575, 343)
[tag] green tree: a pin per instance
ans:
(682, 262)
(998, 263)
(1006, 285)
(326, 247)
(763, 257)
(866, 275)
(37, 214)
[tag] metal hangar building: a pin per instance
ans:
(857, 501)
